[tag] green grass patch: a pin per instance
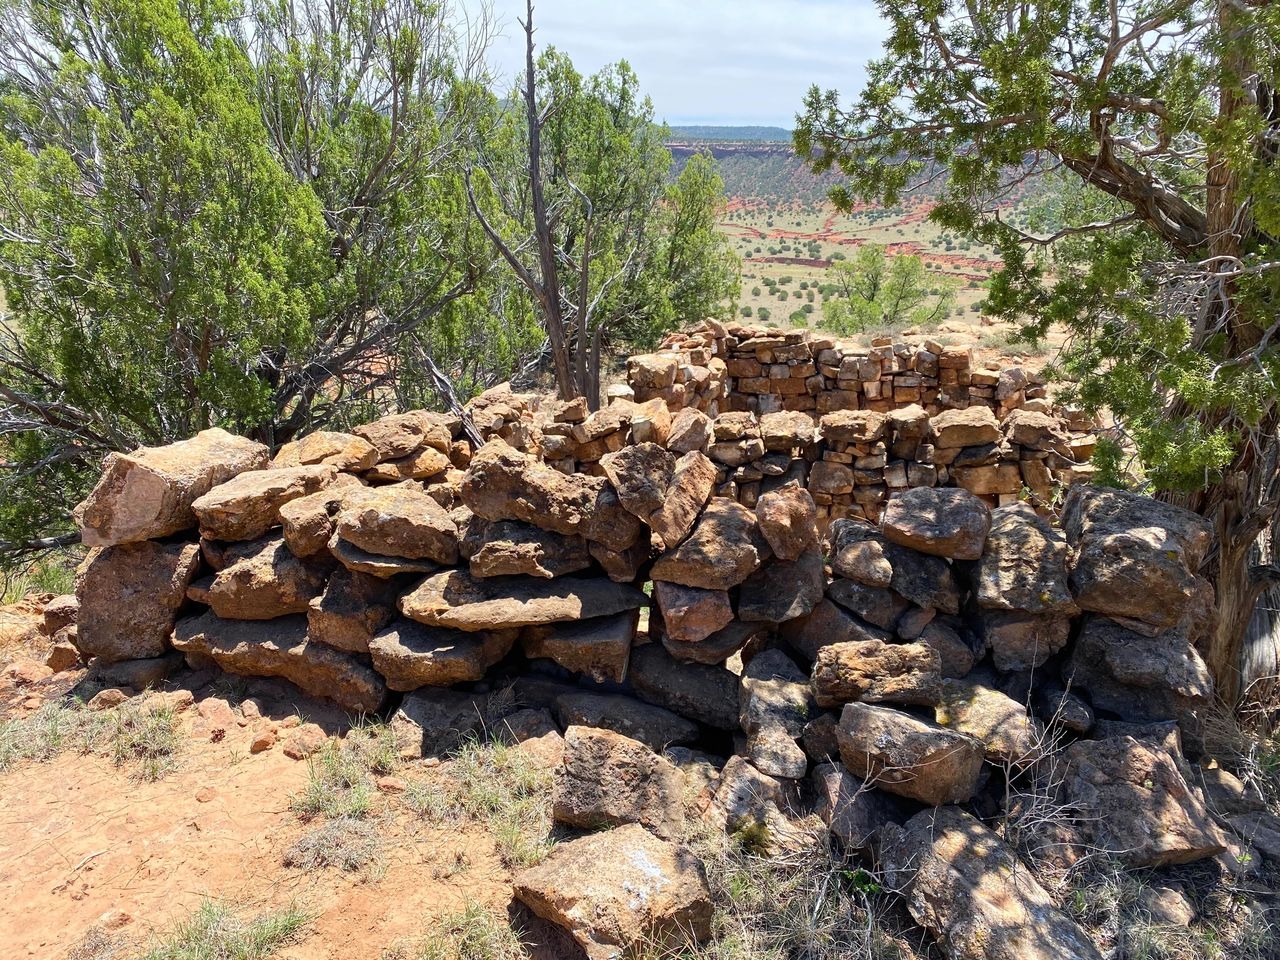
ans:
(146, 742)
(216, 931)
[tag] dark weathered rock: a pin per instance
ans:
(773, 704)
(954, 651)
(1011, 736)
(877, 672)
(411, 655)
(598, 648)
(654, 726)
(279, 648)
(721, 645)
(690, 614)
(455, 599)
(1131, 800)
(748, 802)
(701, 692)
(941, 521)
(616, 890)
(128, 598)
(851, 809)
(352, 608)
(876, 605)
(608, 779)
(783, 590)
(1024, 566)
(507, 547)
(725, 548)
(913, 758)
(970, 891)
(147, 494)
(1022, 641)
(825, 625)
(858, 553)
(434, 721)
(788, 521)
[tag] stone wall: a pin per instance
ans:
(582, 571)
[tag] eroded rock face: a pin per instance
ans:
(783, 590)
(505, 548)
(599, 648)
(876, 672)
(344, 451)
(352, 608)
(744, 800)
(640, 474)
(280, 648)
(858, 553)
(941, 521)
(1006, 728)
(620, 888)
(903, 755)
(147, 494)
(788, 521)
(966, 887)
(607, 780)
(128, 597)
(701, 692)
(399, 521)
(411, 655)
(725, 548)
(453, 598)
(247, 506)
(265, 583)
(1132, 801)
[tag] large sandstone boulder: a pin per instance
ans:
(352, 608)
(903, 755)
(504, 548)
(607, 780)
(1136, 558)
(942, 521)
(971, 427)
(128, 598)
(1022, 641)
(401, 434)
(656, 727)
(690, 431)
(877, 672)
(599, 648)
(147, 494)
(783, 589)
(1130, 800)
(620, 889)
(453, 598)
(280, 648)
(411, 655)
(1024, 566)
(1011, 735)
(788, 520)
(725, 548)
(965, 886)
(343, 451)
(263, 584)
(690, 614)
(248, 505)
(702, 692)
(640, 474)
(399, 521)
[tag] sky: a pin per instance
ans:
(707, 61)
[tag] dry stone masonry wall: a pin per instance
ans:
(684, 586)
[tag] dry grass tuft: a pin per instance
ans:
(473, 934)
(147, 742)
(347, 843)
(217, 931)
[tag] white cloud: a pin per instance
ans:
(714, 61)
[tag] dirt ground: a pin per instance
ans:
(85, 844)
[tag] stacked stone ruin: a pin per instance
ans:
(618, 581)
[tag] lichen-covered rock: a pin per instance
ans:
(147, 494)
(401, 434)
(352, 608)
(1130, 800)
(656, 727)
(399, 521)
(129, 596)
(617, 890)
(453, 598)
(248, 505)
(1024, 566)
(788, 521)
(599, 648)
(903, 755)
(1010, 734)
(863, 553)
(607, 779)
(877, 672)
(965, 886)
(280, 648)
(774, 704)
(504, 548)
(690, 614)
(411, 655)
(307, 522)
(344, 451)
(725, 548)
(641, 474)
(752, 804)
(941, 521)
